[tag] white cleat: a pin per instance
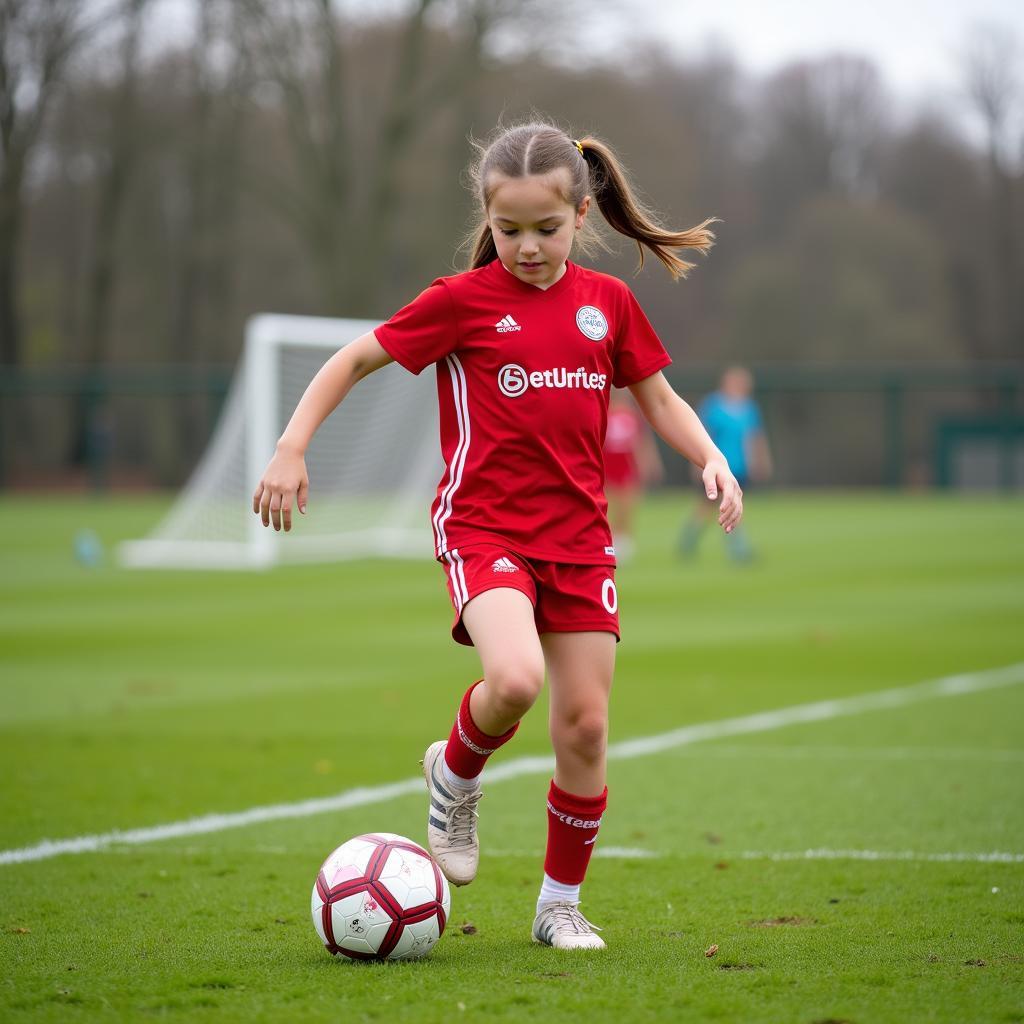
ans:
(451, 821)
(562, 926)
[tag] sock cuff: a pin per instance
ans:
(470, 733)
(559, 801)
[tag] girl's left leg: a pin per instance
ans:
(580, 668)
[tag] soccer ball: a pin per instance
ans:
(380, 897)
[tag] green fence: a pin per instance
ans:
(96, 428)
(895, 426)
(887, 425)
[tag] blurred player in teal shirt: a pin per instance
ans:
(733, 419)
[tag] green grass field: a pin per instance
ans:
(137, 699)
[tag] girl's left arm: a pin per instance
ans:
(678, 425)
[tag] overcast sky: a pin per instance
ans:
(916, 43)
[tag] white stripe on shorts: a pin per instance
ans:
(459, 588)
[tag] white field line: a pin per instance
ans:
(992, 857)
(624, 853)
(804, 753)
(606, 852)
(818, 711)
(946, 857)
(640, 853)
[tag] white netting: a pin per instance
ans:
(373, 465)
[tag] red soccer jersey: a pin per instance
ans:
(523, 376)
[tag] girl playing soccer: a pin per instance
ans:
(527, 347)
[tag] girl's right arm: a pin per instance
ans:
(285, 479)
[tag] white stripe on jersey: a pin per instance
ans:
(458, 463)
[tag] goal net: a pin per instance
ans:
(373, 464)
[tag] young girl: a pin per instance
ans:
(527, 346)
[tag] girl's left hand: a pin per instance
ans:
(718, 479)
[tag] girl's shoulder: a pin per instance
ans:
(598, 280)
(599, 277)
(464, 280)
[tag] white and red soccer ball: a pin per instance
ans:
(380, 897)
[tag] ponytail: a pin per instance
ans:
(627, 215)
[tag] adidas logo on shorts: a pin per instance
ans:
(504, 565)
(506, 324)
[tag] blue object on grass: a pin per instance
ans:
(88, 548)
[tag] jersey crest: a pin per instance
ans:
(591, 322)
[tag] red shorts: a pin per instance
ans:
(565, 598)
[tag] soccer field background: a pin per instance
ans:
(858, 860)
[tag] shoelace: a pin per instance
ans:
(568, 914)
(462, 815)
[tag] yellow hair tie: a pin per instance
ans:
(578, 145)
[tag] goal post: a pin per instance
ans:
(373, 464)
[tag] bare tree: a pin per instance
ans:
(398, 129)
(991, 62)
(91, 421)
(38, 38)
(189, 225)
(342, 196)
(119, 158)
(299, 44)
(226, 182)
(930, 171)
(821, 123)
(202, 219)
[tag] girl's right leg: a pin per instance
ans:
(501, 624)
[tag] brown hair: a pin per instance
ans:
(539, 148)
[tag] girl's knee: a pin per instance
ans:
(515, 687)
(584, 735)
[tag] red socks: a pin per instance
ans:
(573, 822)
(468, 748)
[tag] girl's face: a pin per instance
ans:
(533, 226)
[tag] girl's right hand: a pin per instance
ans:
(284, 480)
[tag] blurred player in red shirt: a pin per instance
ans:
(526, 346)
(631, 463)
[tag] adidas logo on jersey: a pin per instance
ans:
(504, 565)
(506, 324)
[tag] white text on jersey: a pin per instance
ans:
(514, 381)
